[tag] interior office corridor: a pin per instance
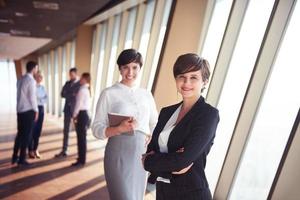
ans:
(252, 47)
(47, 178)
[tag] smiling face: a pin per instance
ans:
(189, 84)
(129, 73)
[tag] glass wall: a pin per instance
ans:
(55, 67)
(274, 120)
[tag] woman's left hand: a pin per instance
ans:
(184, 170)
(148, 139)
(145, 155)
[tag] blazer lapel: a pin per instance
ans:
(175, 135)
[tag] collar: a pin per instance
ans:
(121, 85)
(30, 75)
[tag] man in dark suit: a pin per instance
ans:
(68, 92)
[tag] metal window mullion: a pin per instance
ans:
(259, 79)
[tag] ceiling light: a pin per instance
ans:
(20, 14)
(19, 32)
(4, 21)
(45, 5)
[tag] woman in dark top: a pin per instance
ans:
(183, 136)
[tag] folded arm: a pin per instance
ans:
(196, 143)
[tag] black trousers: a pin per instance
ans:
(33, 145)
(67, 122)
(25, 126)
(81, 130)
(166, 191)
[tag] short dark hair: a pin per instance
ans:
(128, 56)
(73, 69)
(191, 62)
(30, 66)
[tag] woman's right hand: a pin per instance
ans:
(127, 126)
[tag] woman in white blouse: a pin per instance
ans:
(81, 117)
(124, 173)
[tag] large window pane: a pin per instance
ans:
(146, 32)
(100, 65)
(215, 31)
(160, 40)
(130, 28)
(8, 86)
(50, 81)
(273, 122)
(113, 52)
(236, 82)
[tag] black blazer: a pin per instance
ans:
(195, 132)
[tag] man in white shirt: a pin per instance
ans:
(27, 112)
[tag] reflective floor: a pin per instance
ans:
(49, 177)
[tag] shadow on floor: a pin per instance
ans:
(15, 186)
(41, 163)
(78, 189)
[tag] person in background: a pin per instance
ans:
(124, 173)
(27, 113)
(183, 136)
(41, 99)
(81, 117)
(68, 92)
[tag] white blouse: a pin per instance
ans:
(82, 100)
(124, 100)
(164, 135)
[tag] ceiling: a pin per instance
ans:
(27, 25)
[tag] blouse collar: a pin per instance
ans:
(133, 88)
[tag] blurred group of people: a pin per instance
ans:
(31, 99)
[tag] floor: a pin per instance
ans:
(49, 177)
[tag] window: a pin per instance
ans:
(113, 51)
(238, 76)
(279, 106)
(130, 28)
(215, 31)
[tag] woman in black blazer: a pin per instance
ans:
(184, 134)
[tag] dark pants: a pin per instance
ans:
(67, 122)
(25, 126)
(81, 129)
(166, 191)
(33, 145)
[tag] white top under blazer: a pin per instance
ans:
(164, 135)
(128, 101)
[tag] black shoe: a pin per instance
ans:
(14, 159)
(61, 155)
(77, 164)
(23, 163)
